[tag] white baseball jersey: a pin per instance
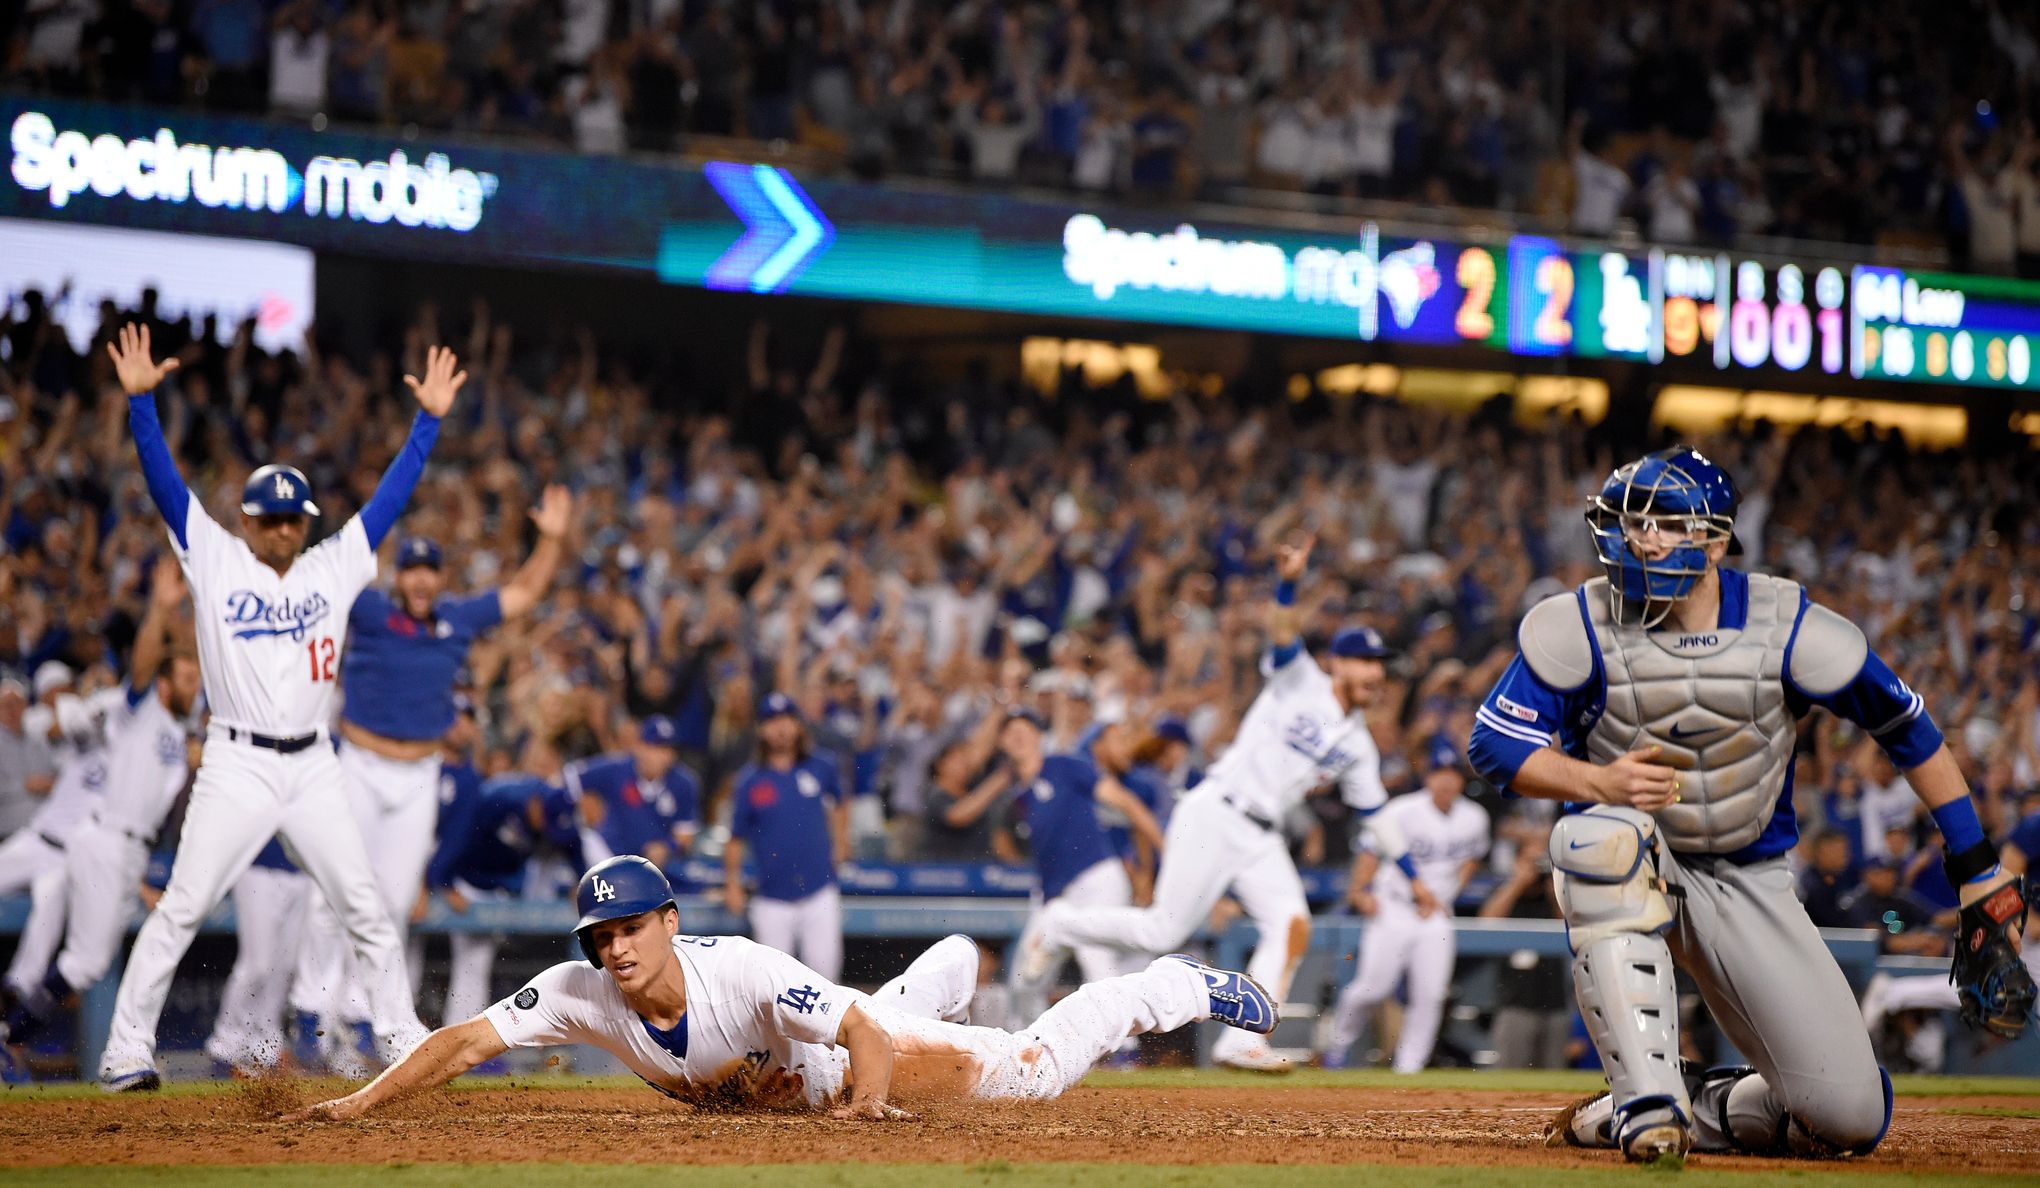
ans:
(755, 1018)
(269, 646)
(1439, 845)
(1295, 738)
(145, 766)
(81, 761)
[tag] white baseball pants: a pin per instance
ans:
(268, 908)
(241, 796)
(396, 808)
(810, 929)
(1104, 885)
(43, 932)
(1398, 942)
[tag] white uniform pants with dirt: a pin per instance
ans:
(1396, 942)
(268, 908)
(1050, 1056)
(1104, 885)
(102, 868)
(242, 796)
(395, 804)
(1209, 848)
(43, 931)
(939, 984)
(810, 929)
(472, 963)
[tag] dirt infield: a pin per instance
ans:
(1423, 1127)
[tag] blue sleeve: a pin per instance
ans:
(370, 606)
(456, 827)
(1281, 654)
(475, 613)
(2026, 836)
(1885, 707)
(394, 491)
(159, 469)
(1521, 715)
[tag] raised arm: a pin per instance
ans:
(152, 638)
(139, 374)
(1284, 619)
(533, 578)
(1115, 795)
(435, 396)
(444, 1055)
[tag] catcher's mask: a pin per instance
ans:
(1674, 497)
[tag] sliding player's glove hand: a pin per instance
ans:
(1995, 987)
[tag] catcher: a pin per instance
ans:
(1661, 702)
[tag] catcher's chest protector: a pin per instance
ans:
(1715, 701)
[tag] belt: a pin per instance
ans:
(269, 742)
(1252, 817)
(51, 842)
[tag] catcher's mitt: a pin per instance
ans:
(1995, 987)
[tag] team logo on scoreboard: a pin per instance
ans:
(1409, 278)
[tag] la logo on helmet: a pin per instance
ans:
(603, 890)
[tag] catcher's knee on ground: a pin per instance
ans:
(1616, 914)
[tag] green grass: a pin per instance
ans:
(1992, 1112)
(1495, 1080)
(983, 1175)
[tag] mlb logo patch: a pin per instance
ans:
(1522, 713)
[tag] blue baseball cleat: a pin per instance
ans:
(134, 1080)
(1236, 999)
(13, 1070)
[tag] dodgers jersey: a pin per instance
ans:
(1064, 834)
(485, 832)
(784, 817)
(759, 1027)
(636, 812)
(1295, 738)
(398, 671)
(1438, 844)
(81, 761)
(145, 766)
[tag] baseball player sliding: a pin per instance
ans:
(1307, 728)
(725, 1020)
(271, 623)
(1662, 702)
(404, 651)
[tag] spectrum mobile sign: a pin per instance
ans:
(64, 163)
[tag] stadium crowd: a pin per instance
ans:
(1836, 120)
(907, 560)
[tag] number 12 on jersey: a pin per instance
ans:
(321, 652)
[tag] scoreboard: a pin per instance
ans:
(1940, 328)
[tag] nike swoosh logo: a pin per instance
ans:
(1683, 735)
(1577, 845)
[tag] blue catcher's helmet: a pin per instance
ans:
(1677, 493)
(278, 490)
(622, 887)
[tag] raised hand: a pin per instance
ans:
(166, 584)
(139, 373)
(555, 511)
(1292, 559)
(435, 392)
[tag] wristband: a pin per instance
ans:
(1969, 865)
(1285, 593)
(1958, 824)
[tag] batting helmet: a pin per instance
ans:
(1678, 493)
(278, 490)
(622, 887)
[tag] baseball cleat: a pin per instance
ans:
(305, 1049)
(1236, 999)
(1259, 1058)
(134, 1080)
(1034, 958)
(1655, 1134)
(1584, 1123)
(13, 1069)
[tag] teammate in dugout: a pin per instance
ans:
(404, 651)
(1662, 703)
(271, 629)
(725, 1021)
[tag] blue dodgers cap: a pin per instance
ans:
(1361, 643)
(277, 490)
(777, 705)
(624, 886)
(1173, 730)
(658, 731)
(417, 550)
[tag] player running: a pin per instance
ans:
(1305, 729)
(146, 765)
(405, 648)
(1662, 701)
(270, 631)
(727, 1021)
(1409, 928)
